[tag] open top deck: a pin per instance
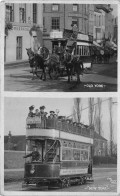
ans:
(59, 129)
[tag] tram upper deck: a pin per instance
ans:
(56, 128)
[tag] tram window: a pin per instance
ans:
(76, 155)
(80, 50)
(67, 154)
(77, 49)
(74, 145)
(69, 144)
(64, 143)
(63, 154)
(84, 155)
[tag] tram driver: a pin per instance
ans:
(35, 154)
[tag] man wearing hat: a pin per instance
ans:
(35, 154)
(31, 108)
(52, 114)
(42, 111)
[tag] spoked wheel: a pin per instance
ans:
(65, 183)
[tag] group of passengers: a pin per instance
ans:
(52, 115)
(41, 113)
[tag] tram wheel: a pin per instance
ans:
(63, 183)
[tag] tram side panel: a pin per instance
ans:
(75, 159)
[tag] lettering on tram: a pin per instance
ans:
(58, 150)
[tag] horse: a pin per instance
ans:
(73, 64)
(36, 61)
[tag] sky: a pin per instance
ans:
(115, 11)
(16, 111)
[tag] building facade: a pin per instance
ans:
(103, 22)
(99, 24)
(57, 17)
(99, 145)
(22, 17)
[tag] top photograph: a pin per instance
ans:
(60, 47)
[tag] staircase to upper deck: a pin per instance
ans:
(51, 153)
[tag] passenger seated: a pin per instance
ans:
(31, 114)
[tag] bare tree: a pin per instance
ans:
(98, 116)
(74, 115)
(111, 125)
(77, 109)
(91, 110)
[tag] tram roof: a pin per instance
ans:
(56, 134)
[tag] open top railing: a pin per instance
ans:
(61, 125)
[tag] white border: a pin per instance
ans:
(51, 95)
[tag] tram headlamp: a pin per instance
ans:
(32, 170)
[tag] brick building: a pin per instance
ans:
(99, 145)
(57, 17)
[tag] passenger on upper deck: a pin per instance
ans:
(74, 124)
(31, 114)
(37, 112)
(51, 116)
(55, 116)
(45, 115)
(42, 112)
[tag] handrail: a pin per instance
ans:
(61, 126)
(49, 149)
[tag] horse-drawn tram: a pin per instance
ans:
(58, 152)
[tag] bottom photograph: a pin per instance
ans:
(60, 144)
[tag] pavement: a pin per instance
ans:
(103, 77)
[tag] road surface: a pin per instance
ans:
(103, 77)
(105, 180)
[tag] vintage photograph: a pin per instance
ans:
(52, 47)
(60, 145)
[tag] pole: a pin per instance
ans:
(111, 126)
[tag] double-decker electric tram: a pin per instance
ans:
(58, 152)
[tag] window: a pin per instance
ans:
(99, 20)
(34, 13)
(75, 22)
(55, 23)
(22, 13)
(19, 48)
(75, 8)
(10, 12)
(55, 7)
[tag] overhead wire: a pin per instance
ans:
(88, 107)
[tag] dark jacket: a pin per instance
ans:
(35, 155)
